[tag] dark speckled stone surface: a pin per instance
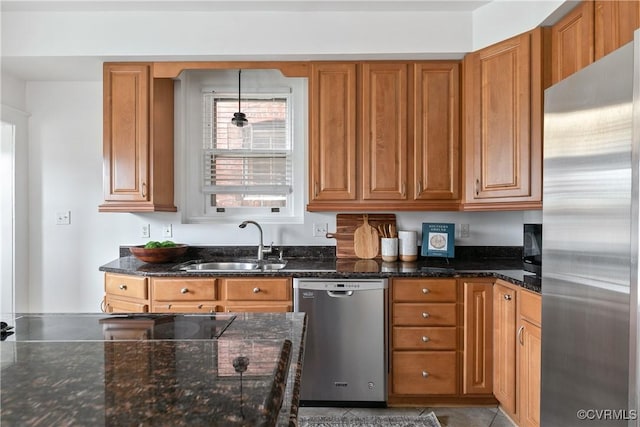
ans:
(87, 381)
(504, 262)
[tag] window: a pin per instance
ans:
(249, 166)
(229, 173)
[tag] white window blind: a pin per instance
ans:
(252, 165)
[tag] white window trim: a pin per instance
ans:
(194, 209)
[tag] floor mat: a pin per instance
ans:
(425, 420)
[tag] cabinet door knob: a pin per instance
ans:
(256, 290)
(184, 290)
(425, 291)
(123, 287)
(425, 315)
(507, 297)
(425, 339)
(425, 374)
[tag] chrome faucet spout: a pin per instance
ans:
(261, 249)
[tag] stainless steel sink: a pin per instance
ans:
(208, 267)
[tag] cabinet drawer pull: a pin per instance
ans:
(425, 315)
(507, 297)
(123, 287)
(168, 305)
(184, 290)
(256, 290)
(425, 291)
(315, 188)
(425, 374)
(199, 306)
(425, 339)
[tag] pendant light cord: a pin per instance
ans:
(239, 86)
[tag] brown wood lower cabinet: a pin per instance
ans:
(424, 339)
(424, 372)
(184, 295)
(137, 294)
(252, 294)
(517, 352)
(125, 294)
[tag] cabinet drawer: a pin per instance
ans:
(183, 289)
(126, 286)
(420, 290)
(256, 289)
(432, 338)
(181, 307)
(424, 372)
(531, 307)
(114, 305)
(424, 314)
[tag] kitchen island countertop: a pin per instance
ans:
(100, 369)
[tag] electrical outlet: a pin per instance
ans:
(145, 230)
(63, 218)
(167, 230)
(320, 230)
(464, 231)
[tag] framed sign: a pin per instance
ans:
(438, 239)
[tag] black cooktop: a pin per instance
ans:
(100, 327)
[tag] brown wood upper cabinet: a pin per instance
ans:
(137, 140)
(332, 145)
(614, 24)
(502, 152)
(572, 42)
(590, 31)
(396, 148)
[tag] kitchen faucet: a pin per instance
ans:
(261, 249)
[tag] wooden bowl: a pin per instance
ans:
(158, 255)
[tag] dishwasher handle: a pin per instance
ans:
(339, 294)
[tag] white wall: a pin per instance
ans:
(65, 127)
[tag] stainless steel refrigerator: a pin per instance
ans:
(590, 245)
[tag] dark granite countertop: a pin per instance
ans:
(137, 374)
(500, 262)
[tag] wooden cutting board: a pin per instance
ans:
(346, 225)
(366, 243)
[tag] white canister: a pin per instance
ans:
(389, 249)
(408, 245)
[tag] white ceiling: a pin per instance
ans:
(256, 5)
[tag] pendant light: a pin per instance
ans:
(239, 118)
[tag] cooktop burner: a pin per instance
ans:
(100, 327)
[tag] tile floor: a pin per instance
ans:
(448, 416)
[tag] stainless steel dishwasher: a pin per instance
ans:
(345, 356)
